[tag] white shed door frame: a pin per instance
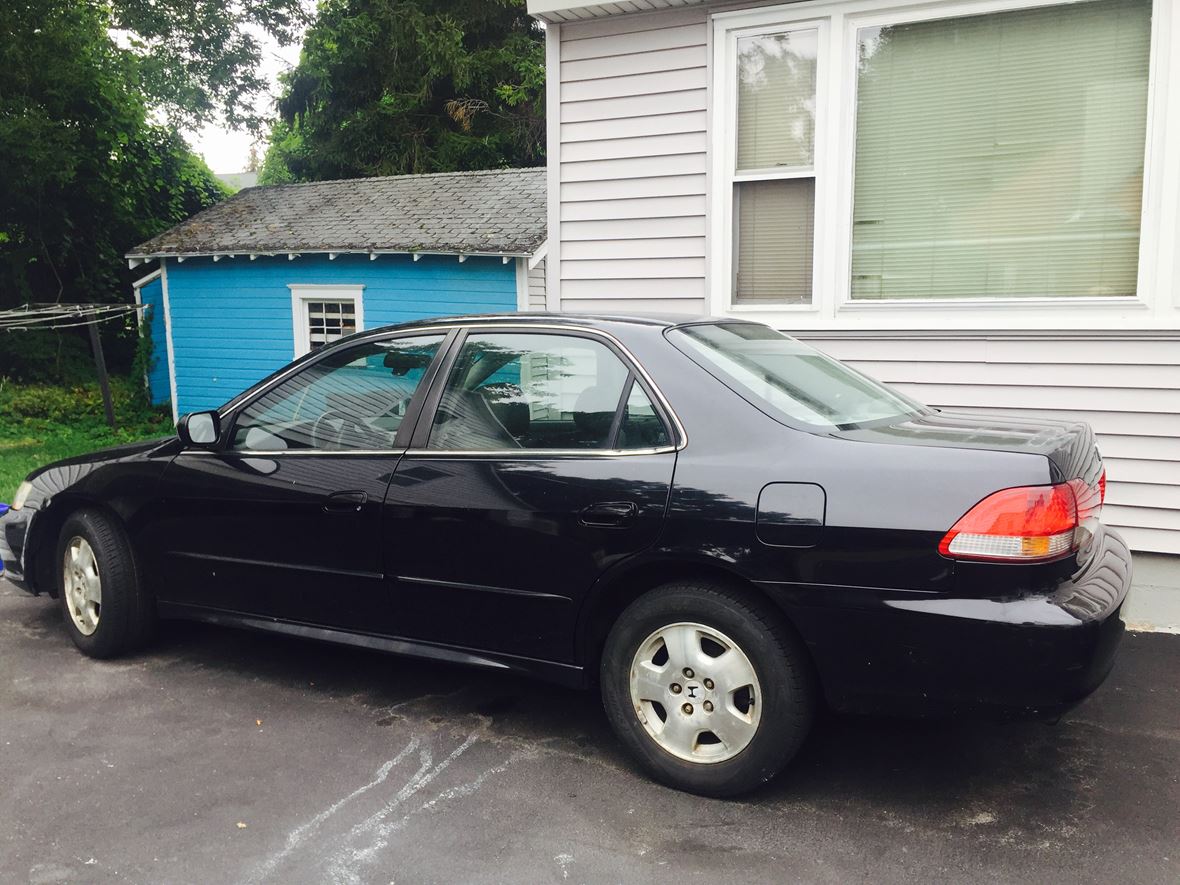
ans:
(308, 321)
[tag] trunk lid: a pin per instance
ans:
(1069, 445)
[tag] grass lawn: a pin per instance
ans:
(39, 424)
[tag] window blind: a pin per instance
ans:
(775, 233)
(1001, 155)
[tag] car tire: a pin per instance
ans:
(699, 626)
(105, 607)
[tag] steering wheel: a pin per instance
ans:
(329, 429)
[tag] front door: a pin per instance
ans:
(540, 463)
(284, 520)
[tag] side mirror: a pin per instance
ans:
(200, 429)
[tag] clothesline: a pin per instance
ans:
(63, 316)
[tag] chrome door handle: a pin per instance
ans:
(345, 502)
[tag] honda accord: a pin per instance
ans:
(717, 526)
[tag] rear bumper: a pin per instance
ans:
(1037, 653)
(13, 529)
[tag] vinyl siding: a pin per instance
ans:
(152, 296)
(628, 212)
(232, 323)
(536, 286)
(633, 161)
(1127, 390)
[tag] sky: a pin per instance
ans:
(228, 151)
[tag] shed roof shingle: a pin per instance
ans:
(497, 211)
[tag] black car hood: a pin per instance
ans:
(1069, 446)
(102, 456)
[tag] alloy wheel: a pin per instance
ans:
(82, 584)
(696, 693)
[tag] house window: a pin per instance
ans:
(323, 314)
(952, 153)
(774, 175)
(1001, 155)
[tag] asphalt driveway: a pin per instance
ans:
(230, 757)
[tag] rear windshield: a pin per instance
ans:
(788, 379)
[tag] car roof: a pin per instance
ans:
(589, 320)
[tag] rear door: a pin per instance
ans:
(284, 519)
(542, 459)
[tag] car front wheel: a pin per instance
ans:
(105, 608)
(707, 687)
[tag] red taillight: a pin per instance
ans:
(1026, 524)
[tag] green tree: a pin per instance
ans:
(198, 60)
(86, 174)
(394, 86)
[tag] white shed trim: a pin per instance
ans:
(144, 280)
(522, 284)
(168, 337)
(539, 255)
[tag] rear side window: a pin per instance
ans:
(541, 391)
(790, 380)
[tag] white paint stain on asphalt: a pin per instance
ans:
(298, 836)
(346, 863)
(564, 861)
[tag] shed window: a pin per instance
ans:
(329, 321)
(323, 314)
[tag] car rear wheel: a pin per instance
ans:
(708, 687)
(106, 610)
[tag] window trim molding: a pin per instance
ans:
(301, 293)
(832, 304)
(725, 174)
(454, 332)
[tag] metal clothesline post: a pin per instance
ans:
(104, 383)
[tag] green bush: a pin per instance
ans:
(40, 423)
(20, 402)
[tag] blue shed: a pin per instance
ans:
(273, 272)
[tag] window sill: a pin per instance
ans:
(771, 307)
(1072, 304)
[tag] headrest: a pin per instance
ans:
(506, 402)
(403, 361)
(594, 410)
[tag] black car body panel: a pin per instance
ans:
(522, 559)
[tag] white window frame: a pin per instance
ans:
(819, 171)
(832, 305)
(302, 293)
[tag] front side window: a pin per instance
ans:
(1001, 155)
(774, 169)
(354, 399)
(511, 391)
(788, 379)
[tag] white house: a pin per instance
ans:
(975, 200)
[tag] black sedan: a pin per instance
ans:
(717, 525)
